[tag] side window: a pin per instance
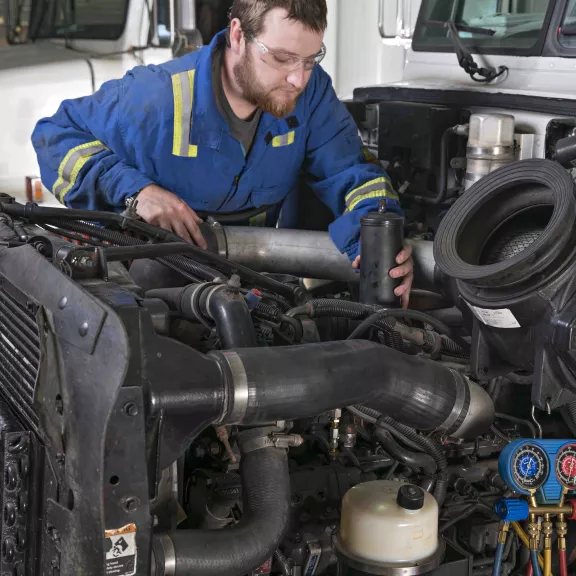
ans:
(81, 19)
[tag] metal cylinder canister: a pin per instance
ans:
(381, 239)
(490, 145)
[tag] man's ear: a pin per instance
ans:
(236, 36)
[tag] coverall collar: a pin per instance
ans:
(209, 124)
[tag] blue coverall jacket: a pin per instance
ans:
(161, 125)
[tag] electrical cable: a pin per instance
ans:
(412, 315)
(518, 421)
(499, 434)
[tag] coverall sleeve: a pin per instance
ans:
(79, 151)
(339, 170)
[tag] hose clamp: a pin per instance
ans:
(461, 403)
(282, 441)
(239, 399)
(490, 152)
(164, 548)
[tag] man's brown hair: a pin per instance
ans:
(313, 14)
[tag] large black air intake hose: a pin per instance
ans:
(248, 544)
(270, 384)
(509, 243)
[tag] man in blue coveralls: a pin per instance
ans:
(225, 129)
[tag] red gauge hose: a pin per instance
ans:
(563, 563)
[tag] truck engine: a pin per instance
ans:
(215, 419)
(260, 407)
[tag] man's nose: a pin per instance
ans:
(298, 77)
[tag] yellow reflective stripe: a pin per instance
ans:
(183, 90)
(368, 195)
(378, 188)
(369, 157)
(284, 140)
(72, 164)
(258, 220)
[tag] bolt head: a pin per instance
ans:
(131, 409)
(131, 504)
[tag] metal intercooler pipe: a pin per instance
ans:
(303, 253)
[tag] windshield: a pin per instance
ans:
(485, 26)
(567, 30)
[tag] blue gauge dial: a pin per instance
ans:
(530, 467)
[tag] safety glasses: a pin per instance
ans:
(286, 62)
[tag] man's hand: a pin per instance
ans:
(405, 269)
(162, 208)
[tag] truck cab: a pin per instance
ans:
(485, 83)
(52, 51)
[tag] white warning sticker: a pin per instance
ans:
(501, 318)
(120, 547)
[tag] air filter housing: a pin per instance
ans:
(509, 244)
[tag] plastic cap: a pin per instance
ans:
(511, 509)
(410, 497)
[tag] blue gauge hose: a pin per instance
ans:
(535, 566)
(497, 568)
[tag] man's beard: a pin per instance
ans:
(254, 93)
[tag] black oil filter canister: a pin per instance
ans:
(381, 239)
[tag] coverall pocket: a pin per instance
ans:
(271, 195)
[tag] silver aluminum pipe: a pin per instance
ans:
(303, 253)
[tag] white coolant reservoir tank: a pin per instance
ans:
(388, 524)
(490, 146)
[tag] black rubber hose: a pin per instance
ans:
(303, 381)
(173, 248)
(197, 270)
(429, 445)
(450, 348)
(231, 315)
(526, 423)
(223, 304)
(570, 411)
(413, 460)
(413, 315)
(462, 516)
(254, 539)
(325, 307)
(33, 212)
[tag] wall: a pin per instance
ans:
(357, 55)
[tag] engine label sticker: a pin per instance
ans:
(120, 548)
(501, 318)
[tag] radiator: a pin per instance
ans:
(19, 351)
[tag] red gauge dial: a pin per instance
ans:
(566, 466)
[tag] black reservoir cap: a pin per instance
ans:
(410, 497)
